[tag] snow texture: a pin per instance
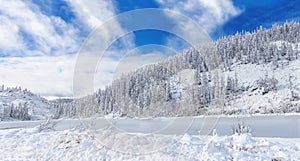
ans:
(107, 144)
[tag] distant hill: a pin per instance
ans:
(18, 104)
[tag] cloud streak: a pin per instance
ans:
(26, 31)
(93, 12)
(209, 14)
(37, 50)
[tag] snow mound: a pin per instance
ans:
(109, 144)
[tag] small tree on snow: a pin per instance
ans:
(292, 87)
(241, 128)
(267, 84)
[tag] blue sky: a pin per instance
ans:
(254, 13)
(264, 13)
(46, 35)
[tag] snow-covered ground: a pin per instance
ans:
(107, 144)
(152, 139)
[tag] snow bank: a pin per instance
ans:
(109, 144)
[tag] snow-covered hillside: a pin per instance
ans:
(16, 103)
(254, 72)
(106, 144)
(265, 88)
(262, 89)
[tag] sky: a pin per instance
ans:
(40, 39)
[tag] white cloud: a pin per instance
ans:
(92, 12)
(46, 44)
(22, 17)
(26, 31)
(208, 13)
(9, 38)
(53, 75)
(45, 75)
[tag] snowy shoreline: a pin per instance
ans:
(286, 126)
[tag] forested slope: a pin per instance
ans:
(244, 73)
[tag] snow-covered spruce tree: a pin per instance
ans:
(293, 94)
(19, 112)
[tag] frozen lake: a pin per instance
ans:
(286, 126)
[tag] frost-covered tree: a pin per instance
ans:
(17, 112)
(267, 84)
(291, 87)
